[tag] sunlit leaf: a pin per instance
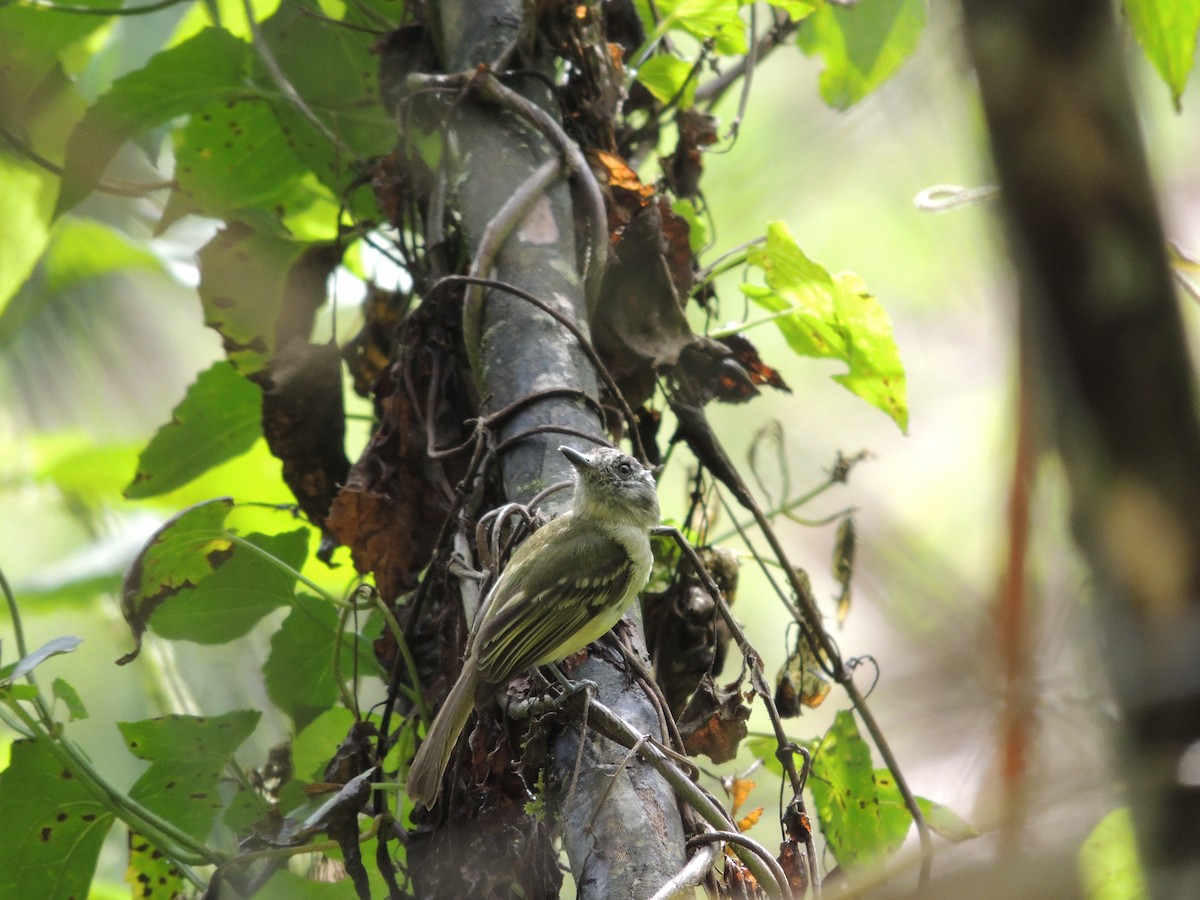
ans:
(855, 802)
(230, 601)
(796, 9)
(702, 19)
(188, 755)
(54, 827)
(26, 201)
(231, 157)
(669, 78)
(944, 821)
(313, 747)
(150, 874)
(82, 249)
(218, 419)
(206, 68)
(829, 316)
(1108, 860)
(1166, 30)
(863, 45)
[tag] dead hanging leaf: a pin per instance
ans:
(801, 680)
(746, 355)
(683, 168)
(749, 820)
(618, 174)
(396, 496)
(639, 325)
(843, 564)
(712, 373)
(304, 423)
(355, 754)
(369, 352)
(794, 863)
(714, 721)
(684, 631)
(738, 790)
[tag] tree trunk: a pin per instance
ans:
(1100, 313)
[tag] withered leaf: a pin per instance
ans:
(801, 680)
(714, 721)
(746, 355)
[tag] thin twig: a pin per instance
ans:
(286, 86)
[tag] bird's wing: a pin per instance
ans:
(537, 619)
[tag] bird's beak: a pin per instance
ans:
(581, 461)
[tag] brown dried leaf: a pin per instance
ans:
(746, 355)
(714, 721)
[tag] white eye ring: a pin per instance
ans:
(624, 470)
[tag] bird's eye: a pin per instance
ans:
(625, 470)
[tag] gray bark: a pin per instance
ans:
(609, 828)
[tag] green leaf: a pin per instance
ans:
(229, 602)
(697, 226)
(31, 39)
(246, 808)
(944, 821)
(53, 827)
(188, 755)
(1166, 30)
(796, 9)
(1108, 860)
(669, 78)
(856, 803)
(313, 747)
(232, 157)
(243, 275)
(83, 249)
(151, 873)
(218, 419)
(70, 698)
(832, 317)
(26, 202)
(181, 554)
(299, 671)
(703, 19)
(863, 45)
(207, 68)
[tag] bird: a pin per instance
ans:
(565, 586)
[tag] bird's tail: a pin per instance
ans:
(425, 775)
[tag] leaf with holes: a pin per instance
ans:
(187, 756)
(53, 827)
(232, 600)
(181, 554)
(217, 420)
(856, 803)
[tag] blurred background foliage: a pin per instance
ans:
(100, 341)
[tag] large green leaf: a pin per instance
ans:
(863, 45)
(831, 316)
(861, 822)
(704, 19)
(666, 77)
(188, 755)
(218, 419)
(299, 672)
(229, 602)
(1166, 29)
(207, 68)
(233, 157)
(83, 249)
(53, 827)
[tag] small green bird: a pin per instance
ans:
(566, 586)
